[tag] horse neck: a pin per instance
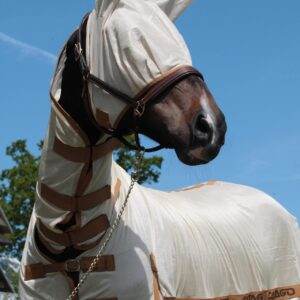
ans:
(71, 125)
(66, 176)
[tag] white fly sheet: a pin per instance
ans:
(213, 240)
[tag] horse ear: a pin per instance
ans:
(172, 8)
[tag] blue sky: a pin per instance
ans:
(248, 51)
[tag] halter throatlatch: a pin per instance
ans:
(137, 103)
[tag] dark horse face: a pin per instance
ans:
(187, 119)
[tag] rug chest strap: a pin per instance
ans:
(73, 203)
(156, 286)
(84, 154)
(36, 271)
(76, 236)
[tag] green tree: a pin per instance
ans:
(17, 191)
(150, 166)
(17, 187)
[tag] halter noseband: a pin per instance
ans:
(137, 103)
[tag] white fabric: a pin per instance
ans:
(209, 241)
(129, 44)
(172, 8)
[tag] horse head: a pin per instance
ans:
(134, 45)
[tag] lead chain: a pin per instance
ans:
(135, 176)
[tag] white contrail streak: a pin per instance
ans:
(28, 49)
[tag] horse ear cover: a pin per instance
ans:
(130, 43)
(172, 8)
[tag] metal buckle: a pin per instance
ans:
(72, 265)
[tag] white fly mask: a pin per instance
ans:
(130, 43)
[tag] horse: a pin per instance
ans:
(125, 70)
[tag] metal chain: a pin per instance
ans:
(135, 176)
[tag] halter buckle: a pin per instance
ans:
(139, 109)
(72, 265)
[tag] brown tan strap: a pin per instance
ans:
(84, 154)
(36, 271)
(48, 245)
(156, 286)
(117, 189)
(73, 203)
(103, 119)
(76, 236)
(281, 293)
(72, 282)
(157, 87)
(54, 251)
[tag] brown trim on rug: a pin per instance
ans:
(84, 180)
(75, 203)
(103, 119)
(48, 245)
(117, 189)
(84, 154)
(76, 236)
(200, 185)
(70, 120)
(36, 271)
(280, 293)
(156, 286)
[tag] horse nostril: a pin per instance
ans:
(202, 131)
(202, 125)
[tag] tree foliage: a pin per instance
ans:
(150, 167)
(17, 191)
(17, 187)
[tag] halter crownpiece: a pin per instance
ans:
(135, 104)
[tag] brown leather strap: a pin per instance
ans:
(36, 271)
(73, 203)
(72, 280)
(47, 245)
(158, 86)
(156, 286)
(152, 91)
(117, 189)
(103, 119)
(84, 154)
(76, 236)
(74, 125)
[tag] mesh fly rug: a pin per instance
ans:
(215, 240)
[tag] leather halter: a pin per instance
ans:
(137, 103)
